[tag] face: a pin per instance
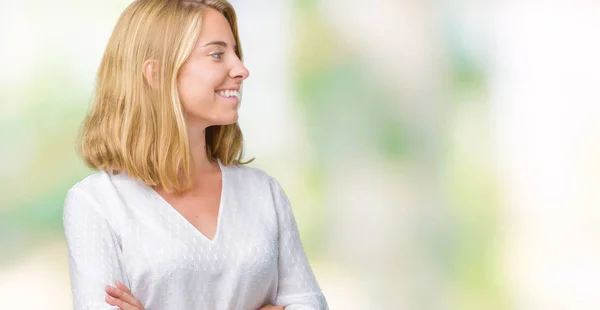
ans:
(210, 79)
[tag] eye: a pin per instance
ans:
(217, 56)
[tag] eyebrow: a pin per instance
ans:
(221, 43)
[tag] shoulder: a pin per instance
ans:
(98, 184)
(255, 179)
(248, 174)
(96, 192)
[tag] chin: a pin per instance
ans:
(204, 121)
(230, 119)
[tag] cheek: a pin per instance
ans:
(196, 86)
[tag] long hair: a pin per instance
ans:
(140, 129)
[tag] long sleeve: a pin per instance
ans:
(93, 249)
(297, 286)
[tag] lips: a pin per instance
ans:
(234, 87)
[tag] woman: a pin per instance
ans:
(173, 219)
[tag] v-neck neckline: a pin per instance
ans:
(191, 226)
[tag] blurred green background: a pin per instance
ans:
(438, 155)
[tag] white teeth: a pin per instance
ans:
(229, 93)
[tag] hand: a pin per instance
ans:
(122, 297)
(270, 307)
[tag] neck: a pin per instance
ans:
(197, 140)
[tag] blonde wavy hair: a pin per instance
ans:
(140, 129)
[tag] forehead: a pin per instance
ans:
(215, 27)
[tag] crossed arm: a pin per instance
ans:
(120, 296)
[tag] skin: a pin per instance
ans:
(210, 67)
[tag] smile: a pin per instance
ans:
(229, 94)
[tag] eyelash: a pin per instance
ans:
(217, 58)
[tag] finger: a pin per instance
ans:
(122, 286)
(119, 303)
(120, 294)
(271, 307)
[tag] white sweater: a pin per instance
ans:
(118, 228)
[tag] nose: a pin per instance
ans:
(239, 71)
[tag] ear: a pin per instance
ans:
(150, 70)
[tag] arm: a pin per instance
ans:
(297, 289)
(94, 252)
